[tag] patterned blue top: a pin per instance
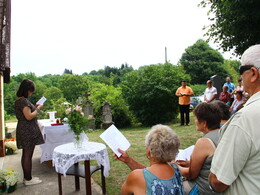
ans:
(157, 186)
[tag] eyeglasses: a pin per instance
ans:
(244, 68)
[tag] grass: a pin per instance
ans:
(119, 171)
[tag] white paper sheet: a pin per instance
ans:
(115, 139)
(41, 101)
(185, 154)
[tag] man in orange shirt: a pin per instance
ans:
(184, 92)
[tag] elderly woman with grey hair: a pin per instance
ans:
(162, 146)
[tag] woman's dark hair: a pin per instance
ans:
(224, 109)
(240, 93)
(25, 86)
(209, 113)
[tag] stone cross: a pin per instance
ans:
(107, 116)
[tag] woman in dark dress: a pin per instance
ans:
(28, 133)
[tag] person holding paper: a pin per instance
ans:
(207, 120)
(28, 133)
(162, 146)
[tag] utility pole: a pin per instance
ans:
(166, 61)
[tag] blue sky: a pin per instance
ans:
(82, 35)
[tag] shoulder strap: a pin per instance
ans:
(211, 142)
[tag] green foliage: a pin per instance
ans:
(201, 62)
(150, 92)
(232, 67)
(52, 94)
(115, 74)
(76, 120)
(20, 77)
(67, 71)
(73, 86)
(50, 80)
(10, 96)
(101, 93)
(198, 89)
(59, 105)
(235, 24)
(39, 90)
(7, 116)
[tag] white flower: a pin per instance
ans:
(11, 144)
(10, 177)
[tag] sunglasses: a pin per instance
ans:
(244, 68)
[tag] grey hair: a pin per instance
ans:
(163, 143)
(251, 56)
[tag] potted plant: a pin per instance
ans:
(8, 180)
(10, 146)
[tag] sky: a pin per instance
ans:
(49, 36)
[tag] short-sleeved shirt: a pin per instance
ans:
(184, 100)
(231, 87)
(236, 159)
(155, 185)
(28, 133)
(210, 92)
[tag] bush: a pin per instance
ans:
(101, 93)
(150, 92)
(198, 89)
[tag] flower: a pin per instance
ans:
(76, 120)
(10, 143)
(9, 176)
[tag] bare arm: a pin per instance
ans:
(134, 184)
(131, 163)
(202, 150)
(30, 115)
(217, 185)
(178, 93)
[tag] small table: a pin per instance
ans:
(66, 155)
(53, 137)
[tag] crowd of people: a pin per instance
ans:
(225, 160)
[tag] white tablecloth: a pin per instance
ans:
(66, 155)
(53, 136)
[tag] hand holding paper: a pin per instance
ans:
(115, 139)
(41, 101)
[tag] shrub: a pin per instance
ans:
(150, 92)
(101, 93)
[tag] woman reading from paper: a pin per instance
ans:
(162, 145)
(196, 171)
(28, 133)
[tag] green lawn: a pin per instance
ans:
(119, 171)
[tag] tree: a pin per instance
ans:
(67, 71)
(73, 86)
(150, 92)
(235, 23)
(232, 67)
(201, 62)
(50, 80)
(10, 95)
(100, 93)
(52, 94)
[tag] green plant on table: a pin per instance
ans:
(78, 123)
